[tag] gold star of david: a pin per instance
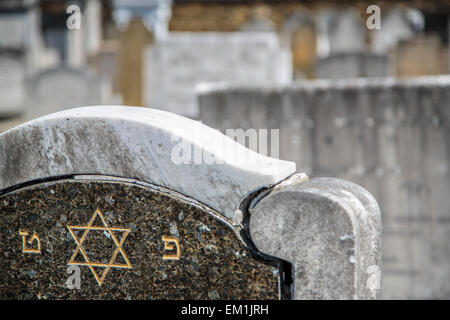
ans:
(90, 264)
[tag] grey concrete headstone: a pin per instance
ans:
(330, 230)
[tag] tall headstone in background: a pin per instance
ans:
(300, 30)
(141, 22)
(82, 194)
(93, 25)
(133, 41)
(12, 30)
(76, 51)
(20, 31)
(106, 64)
(63, 88)
(400, 23)
(13, 61)
(341, 31)
(155, 14)
(12, 84)
(390, 136)
(175, 66)
(84, 41)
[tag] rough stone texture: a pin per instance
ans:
(176, 65)
(390, 136)
(213, 264)
(138, 143)
(330, 230)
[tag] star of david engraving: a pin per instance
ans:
(92, 264)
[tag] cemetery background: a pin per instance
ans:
(268, 66)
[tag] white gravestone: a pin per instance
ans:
(62, 88)
(12, 30)
(341, 31)
(12, 86)
(176, 66)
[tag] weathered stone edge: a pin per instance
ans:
(136, 143)
(362, 210)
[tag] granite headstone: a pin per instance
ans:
(94, 205)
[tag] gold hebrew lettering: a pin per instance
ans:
(170, 243)
(33, 238)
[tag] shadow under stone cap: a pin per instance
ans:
(330, 230)
(138, 143)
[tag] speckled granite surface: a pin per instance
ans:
(213, 263)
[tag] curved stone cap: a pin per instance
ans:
(330, 230)
(140, 143)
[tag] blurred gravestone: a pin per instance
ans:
(177, 64)
(64, 87)
(15, 44)
(20, 31)
(353, 65)
(300, 30)
(133, 42)
(90, 209)
(429, 50)
(105, 62)
(400, 23)
(344, 30)
(12, 85)
(12, 30)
